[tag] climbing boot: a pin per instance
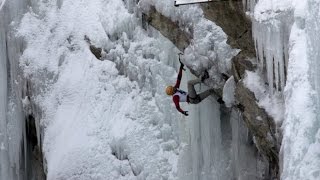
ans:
(205, 76)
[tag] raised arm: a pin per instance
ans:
(177, 85)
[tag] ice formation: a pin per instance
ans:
(115, 110)
(208, 49)
(285, 33)
(228, 92)
(13, 160)
(111, 118)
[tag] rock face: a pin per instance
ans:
(232, 19)
(168, 28)
(230, 16)
(261, 126)
(35, 168)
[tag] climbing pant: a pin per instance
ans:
(195, 98)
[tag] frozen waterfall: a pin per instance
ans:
(4, 166)
(11, 115)
(218, 145)
(286, 35)
(110, 118)
(17, 155)
(301, 131)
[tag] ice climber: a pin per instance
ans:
(191, 96)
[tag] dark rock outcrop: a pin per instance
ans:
(232, 19)
(33, 155)
(240, 64)
(167, 28)
(34, 161)
(261, 126)
(96, 51)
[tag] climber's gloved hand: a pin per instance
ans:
(185, 113)
(181, 63)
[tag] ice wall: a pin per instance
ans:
(102, 119)
(207, 158)
(12, 127)
(271, 26)
(219, 145)
(286, 34)
(312, 27)
(313, 30)
(271, 29)
(300, 146)
(4, 156)
(85, 130)
(216, 142)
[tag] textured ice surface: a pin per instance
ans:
(12, 125)
(4, 166)
(111, 119)
(286, 36)
(301, 127)
(99, 123)
(272, 103)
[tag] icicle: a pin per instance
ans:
(271, 38)
(248, 5)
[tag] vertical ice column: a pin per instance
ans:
(220, 146)
(4, 156)
(313, 31)
(271, 37)
(11, 115)
(206, 141)
(271, 42)
(245, 160)
(208, 158)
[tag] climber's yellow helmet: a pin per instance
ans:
(170, 90)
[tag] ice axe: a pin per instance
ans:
(180, 60)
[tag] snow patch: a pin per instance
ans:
(270, 9)
(228, 92)
(272, 103)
